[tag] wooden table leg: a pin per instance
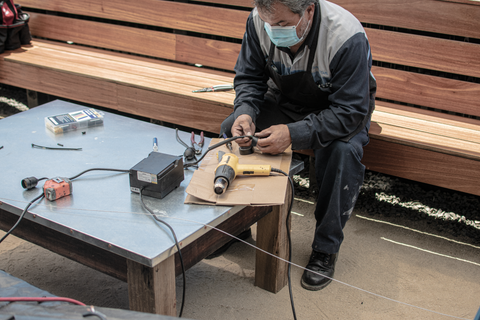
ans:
(271, 273)
(152, 289)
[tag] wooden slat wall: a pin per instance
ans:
(427, 15)
(208, 52)
(430, 91)
(425, 52)
(387, 46)
(175, 15)
(454, 17)
(444, 170)
(104, 35)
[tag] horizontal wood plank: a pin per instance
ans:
(425, 52)
(104, 35)
(213, 75)
(206, 52)
(425, 140)
(422, 165)
(180, 110)
(75, 87)
(429, 91)
(470, 2)
(441, 130)
(428, 115)
(126, 71)
(426, 15)
(174, 15)
(238, 3)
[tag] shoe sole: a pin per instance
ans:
(314, 288)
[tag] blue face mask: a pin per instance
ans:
(284, 36)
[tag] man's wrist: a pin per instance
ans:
(244, 110)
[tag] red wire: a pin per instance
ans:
(42, 299)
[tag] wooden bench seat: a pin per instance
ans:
(150, 88)
(140, 58)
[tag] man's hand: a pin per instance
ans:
(242, 126)
(274, 140)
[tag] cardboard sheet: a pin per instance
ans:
(245, 190)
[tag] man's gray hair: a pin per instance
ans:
(296, 6)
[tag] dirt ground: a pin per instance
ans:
(387, 271)
(392, 265)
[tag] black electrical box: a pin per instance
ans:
(157, 175)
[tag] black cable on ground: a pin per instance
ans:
(21, 216)
(289, 239)
(176, 244)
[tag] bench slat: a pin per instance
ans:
(112, 70)
(428, 115)
(238, 3)
(175, 15)
(430, 91)
(129, 59)
(425, 52)
(104, 35)
(426, 15)
(213, 53)
(423, 165)
(425, 140)
(435, 128)
(146, 102)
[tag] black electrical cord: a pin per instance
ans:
(31, 182)
(98, 169)
(21, 216)
(221, 143)
(176, 244)
(288, 214)
(189, 153)
(289, 240)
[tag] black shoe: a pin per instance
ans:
(322, 263)
(244, 236)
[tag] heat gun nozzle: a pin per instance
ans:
(220, 185)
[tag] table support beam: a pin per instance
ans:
(152, 289)
(270, 272)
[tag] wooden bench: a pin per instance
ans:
(139, 57)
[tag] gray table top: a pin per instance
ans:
(101, 210)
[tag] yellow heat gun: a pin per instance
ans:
(229, 168)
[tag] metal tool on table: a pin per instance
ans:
(195, 148)
(229, 144)
(229, 168)
(222, 87)
(199, 144)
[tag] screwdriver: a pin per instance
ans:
(222, 87)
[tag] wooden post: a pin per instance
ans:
(271, 273)
(152, 289)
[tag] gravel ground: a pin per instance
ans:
(427, 207)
